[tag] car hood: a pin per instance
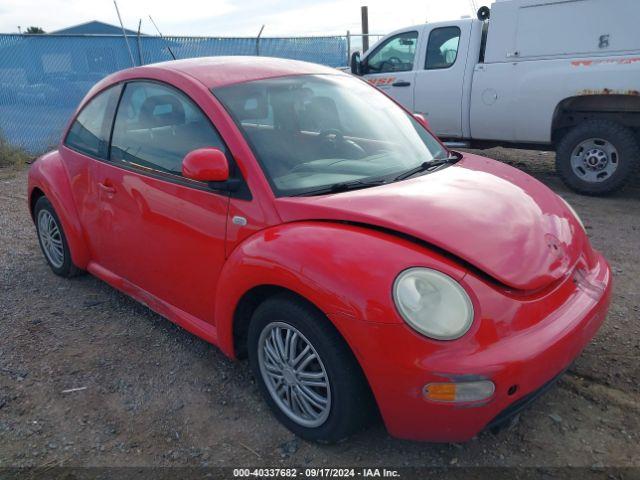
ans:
(492, 216)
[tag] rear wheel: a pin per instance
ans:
(306, 372)
(52, 239)
(597, 157)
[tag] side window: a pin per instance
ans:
(90, 131)
(442, 49)
(394, 55)
(156, 126)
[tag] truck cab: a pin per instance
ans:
(526, 74)
(423, 67)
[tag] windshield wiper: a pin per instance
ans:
(426, 166)
(343, 187)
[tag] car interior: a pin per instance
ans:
(160, 132)
(300, 134)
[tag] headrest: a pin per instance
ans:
(161, 111)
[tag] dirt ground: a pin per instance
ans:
(149, 393)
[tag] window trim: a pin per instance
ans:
(426, 56)
(388, 40)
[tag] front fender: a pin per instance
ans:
(49, 175)
(346, 271)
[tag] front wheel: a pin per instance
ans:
(597, 157)
(306, 372)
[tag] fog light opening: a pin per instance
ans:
(512, 390)
(459, 392)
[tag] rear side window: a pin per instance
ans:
(442, 49)
(156, 126)
(89, 133)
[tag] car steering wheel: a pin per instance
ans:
(338, 137)
(339, 143)
(393, 63)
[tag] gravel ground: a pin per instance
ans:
(149, 393)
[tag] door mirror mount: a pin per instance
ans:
(206, 165)
(356, 64)
(229, 185)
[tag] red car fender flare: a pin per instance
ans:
(346, 271)
(49, 175)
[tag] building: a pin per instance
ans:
(94, 27)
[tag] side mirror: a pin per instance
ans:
(422, 120)
(356, 65)
(206, 165)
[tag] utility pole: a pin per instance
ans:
(365, 28)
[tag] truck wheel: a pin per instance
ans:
(597, 157)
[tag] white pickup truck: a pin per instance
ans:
(543, 74)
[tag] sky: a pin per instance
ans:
(233, 17)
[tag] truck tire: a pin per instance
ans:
(597, 157)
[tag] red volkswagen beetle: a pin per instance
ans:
(296, 215)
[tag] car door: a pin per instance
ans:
(161, 232)
(390, 67)
(439, 82)
(85, 146)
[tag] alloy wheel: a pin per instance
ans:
(294, 374)
(50, 238)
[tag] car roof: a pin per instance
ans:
(216, 72)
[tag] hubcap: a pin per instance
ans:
(50, 238)
(294, 374)
(594, 160)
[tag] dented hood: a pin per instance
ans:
(492, 216)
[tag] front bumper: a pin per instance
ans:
(520, 344)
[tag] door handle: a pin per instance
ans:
(106, 188)
(401, 83)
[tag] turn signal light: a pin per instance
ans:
(459, 391)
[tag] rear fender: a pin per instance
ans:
(346, 271)
(48, 175)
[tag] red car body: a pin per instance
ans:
(539, 291)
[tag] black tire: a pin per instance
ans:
(67, 268)
(352, 405)
(622, 138)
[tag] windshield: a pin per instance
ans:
(312, 132)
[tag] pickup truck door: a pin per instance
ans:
(390, 66)
(439, 76)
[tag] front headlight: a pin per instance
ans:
(575, 214)
(433, 303)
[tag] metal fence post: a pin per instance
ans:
(140, 57)
(348, 48)
(258, 41)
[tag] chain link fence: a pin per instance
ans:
(44, 77)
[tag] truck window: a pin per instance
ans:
(442, 49)
(483, 41)
(396, 54)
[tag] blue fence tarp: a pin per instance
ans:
(44, 77)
